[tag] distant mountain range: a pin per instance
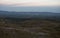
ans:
(44, 15)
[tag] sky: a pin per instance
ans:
(30, 5)
(31, 2)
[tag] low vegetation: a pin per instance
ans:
(29, 28)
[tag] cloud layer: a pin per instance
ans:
(31, 2)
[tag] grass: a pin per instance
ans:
(15, 34)
(51, 28)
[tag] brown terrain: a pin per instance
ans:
(29, 29)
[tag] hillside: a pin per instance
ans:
(29, 28)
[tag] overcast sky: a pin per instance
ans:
(30, 5)
(31, 2)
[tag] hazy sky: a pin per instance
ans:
(31, 2)
(30, 5)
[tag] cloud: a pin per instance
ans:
(36, 4)
(31, 2)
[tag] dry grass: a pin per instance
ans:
(52, 29)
